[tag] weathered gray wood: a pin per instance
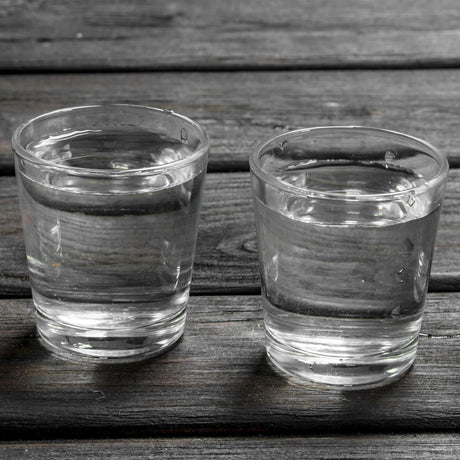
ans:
(217, 380)
(226, 254)
(420, 446)
(241, 109)
(206, 34)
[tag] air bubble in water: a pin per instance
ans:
(390, 156)
(400, 275)
(411, 200)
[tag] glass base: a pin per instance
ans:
(353, 373)
(111, 346)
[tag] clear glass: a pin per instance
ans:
(346, 223)
(110, 199)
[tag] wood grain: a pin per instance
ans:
(68, 35)
(217, 381)
(420, 446)
(241, 109)
(226, 254)
(246, 71)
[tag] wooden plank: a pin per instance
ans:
(217, 381)
(226, 254)
(420, 446)
(260, 34)
(241, 109)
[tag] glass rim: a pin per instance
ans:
(25, 154)
(267, 177)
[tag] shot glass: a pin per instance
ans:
(346, 223)
(110, 200)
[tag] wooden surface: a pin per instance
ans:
(241, 109)
(217, 380)
(140, 34)
(226, 254)
(420, 446)
(245, 70)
